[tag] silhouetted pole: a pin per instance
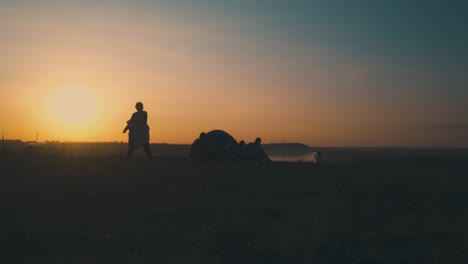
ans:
(3, 141)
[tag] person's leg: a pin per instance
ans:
(131, 148)
(130, 151)
(146, 148)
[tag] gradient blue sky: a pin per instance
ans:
(336, 73)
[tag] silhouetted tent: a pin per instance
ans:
(214, 145)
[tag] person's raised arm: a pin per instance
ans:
(129, 123)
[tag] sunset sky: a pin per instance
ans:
(325, 73)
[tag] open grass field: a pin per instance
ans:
(79, 204)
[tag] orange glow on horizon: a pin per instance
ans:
(73, 76)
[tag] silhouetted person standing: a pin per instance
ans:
(138, 135)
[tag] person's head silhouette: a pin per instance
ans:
(258, 141)
(139, 106)
(241, 145)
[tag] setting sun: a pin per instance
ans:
(73, 106)
(309, 72)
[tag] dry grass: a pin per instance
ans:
(62, 207)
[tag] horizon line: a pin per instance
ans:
(270, 143)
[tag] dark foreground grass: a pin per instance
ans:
(69, 209)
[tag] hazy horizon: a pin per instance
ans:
(39, 142)
(323, 73)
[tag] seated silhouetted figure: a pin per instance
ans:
(241, 150)
(138, 135)
(255, 152)
(197, 147)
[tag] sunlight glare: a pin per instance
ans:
(73, 106)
